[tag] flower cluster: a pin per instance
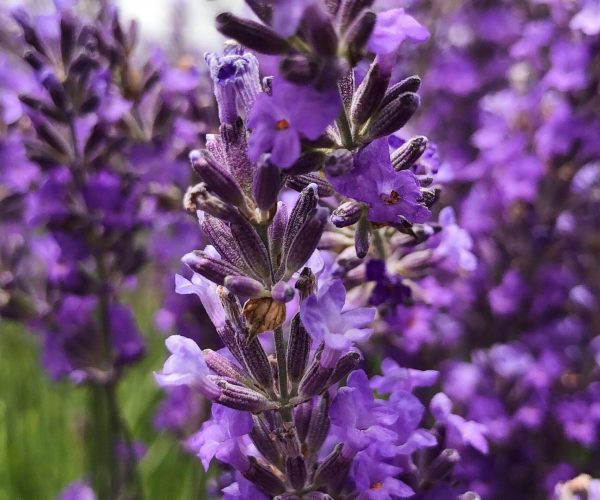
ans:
(514, 115)
(306, 190)
(91, 164)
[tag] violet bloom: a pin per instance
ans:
(460, 431)
(374, 480)
(453, 251)
(389, 195)
(325, 321)
(392, 28)
(278, 122)
(186, 366)
(236, 81)
(77, 491)
(219, 437)
(242, 489)
(397, 378)
(388, 289)
(360, 418)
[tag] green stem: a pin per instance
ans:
(282, 372)
(345, 130)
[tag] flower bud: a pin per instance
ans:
(305, 204)
(299, 182)
(347, 213)
(306, 241)
(282, 292)
(334, 466)
(369, 94)
(227, 334)
(362, 236)
(276, 232)
(220, 237)
(298, 69)
(349, 9)
(347, 363)
(266, 184)
(315, 380)
(307, 163)
(430, 195)
(216, 177)
(298, 349)
(216, 270)
(319, 425)
(242, 398)
(358, 35)
(410, 84)
(264, 478)
(321, 34)
(302, 415)
(339, 162)
(440, 467)
(257, 362)
(223, 367)
(295, 469)
(251, 34)
(199, 198)
(406, 155)
(262, 438)
(244, 286)
(68, 29)
(252, 248)
(393, 116)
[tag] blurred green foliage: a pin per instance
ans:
(41, 423)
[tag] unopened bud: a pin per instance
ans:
(369, 94)
(407, 155)
(298, 349)
(266, 184)
(410, 84)
(347, 213)
(244, 286)
(216, 177)
(251, 34)
(393, 116)
(299, 182)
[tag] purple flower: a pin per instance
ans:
(77, 491)
(219, 437)
(242, 489)
(388, 288)
(460, 431)
(392, 28)
(454, 249)
(236, 81)
(324, 319)
(180, 409)
(375, 480)
(506, 297)
(389, 194)
(186, 366)
(361, 419)
(278, 122)
(588, 18)
(207, 292)
(396, 378)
